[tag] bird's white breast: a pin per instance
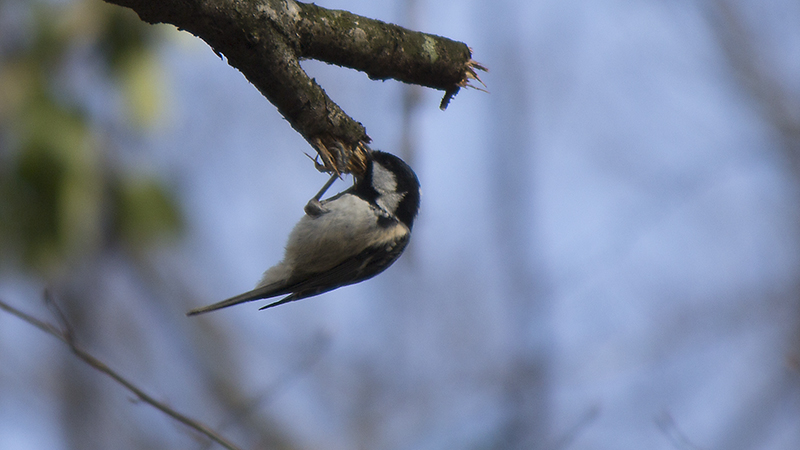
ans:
(348, 226)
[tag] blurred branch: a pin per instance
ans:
(666, 423)
(266, 39)
(781, 106)
(218, 368)
(584, 421)
(244, 410)
(65, 335)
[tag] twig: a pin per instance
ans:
(320, 347)
(667, 425)
(65, 336)
(572, 434)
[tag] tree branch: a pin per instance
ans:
(265, 40)
(383, 50)
(65, 335)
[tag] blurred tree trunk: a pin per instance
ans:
(526, 382)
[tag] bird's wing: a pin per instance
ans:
(370, 262)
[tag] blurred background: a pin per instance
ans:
(606, 255)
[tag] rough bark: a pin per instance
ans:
(266, 39)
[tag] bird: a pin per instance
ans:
(345, 239)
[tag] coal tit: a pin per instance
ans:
(345, 239)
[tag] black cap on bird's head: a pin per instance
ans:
(392, 185)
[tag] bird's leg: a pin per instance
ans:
(314, 207)
(325, 188)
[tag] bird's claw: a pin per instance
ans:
(314, 208)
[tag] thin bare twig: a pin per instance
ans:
(678, 438)
(575, 430)
(320, 347)
(65, 335)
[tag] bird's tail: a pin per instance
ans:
(256, 294)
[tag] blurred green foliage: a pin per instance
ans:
(62, 198)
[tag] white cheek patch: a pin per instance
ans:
(382, 180)
(385, 183)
